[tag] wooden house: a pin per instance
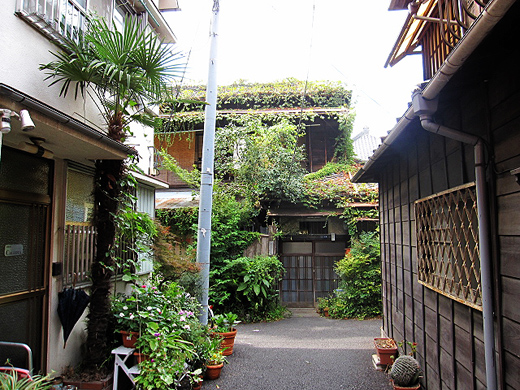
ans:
(314, 238)
(448, 181)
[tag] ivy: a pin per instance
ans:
(288, 93)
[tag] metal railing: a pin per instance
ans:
(54, 18)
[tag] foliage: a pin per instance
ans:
(192, 178)
(247, 286)
(344, 148)
(170, 334)
(10, 381)
(172, 263)
(121, 71)
(215, 353)
(360, 272)
(265, 162)
(224, 323)
(182, 222)
(144, 304)
(285, 93)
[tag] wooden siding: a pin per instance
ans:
(482, 99)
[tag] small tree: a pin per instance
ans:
(122, 71)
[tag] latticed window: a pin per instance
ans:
(447, 244)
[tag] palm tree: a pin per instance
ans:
(122, 71)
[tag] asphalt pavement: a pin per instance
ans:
(304, 352)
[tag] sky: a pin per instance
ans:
(337, 40)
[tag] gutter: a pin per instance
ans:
(63, 118)
(425, 109)
(485, 22)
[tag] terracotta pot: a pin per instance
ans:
(228, 342)
(397, 387)
(141, 357)
(386, 348)
(129, 338)
(213, 371)
(104, 384)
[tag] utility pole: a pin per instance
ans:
(207, 170)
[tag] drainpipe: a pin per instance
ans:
(425, 110)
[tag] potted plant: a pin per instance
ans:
(216, 359)
(224, 326)
(10, 380)
(132, 312)
(386, 349)
(406, 373)
(323, 306)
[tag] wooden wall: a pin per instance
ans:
(483, 99)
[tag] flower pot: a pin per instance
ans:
(141, 357)
(129, 338)
(213, 371)
(228, 342)
(397, 387)
(386, 348)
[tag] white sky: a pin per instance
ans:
(269, 40)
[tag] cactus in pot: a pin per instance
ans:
(406, 371)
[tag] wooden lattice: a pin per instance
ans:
(447, 244)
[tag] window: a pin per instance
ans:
(447, 244)
(55, 18)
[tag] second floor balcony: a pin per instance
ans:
(433, 28)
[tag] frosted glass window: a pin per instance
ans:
(80, 203)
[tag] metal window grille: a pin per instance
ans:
(55, 18)
(447, 244)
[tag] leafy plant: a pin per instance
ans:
(223, 323)
(122, 71)
(248, 286)
(11, 381)
(360, 272)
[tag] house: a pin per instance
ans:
(46, 170)
(314, 238)
(448, 184)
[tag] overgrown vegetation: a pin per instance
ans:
(248, 287)
(260, 162)
(359, 295)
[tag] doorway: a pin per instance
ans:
(309, 270)
(25, 199)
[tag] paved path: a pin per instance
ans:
(304, 352)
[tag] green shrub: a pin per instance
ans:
(248, 287)
(360, 272)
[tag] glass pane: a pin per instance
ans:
(21, 322)
(22, 247)
(330, 247)
(80, 202)
(297, 247)
(24, 172)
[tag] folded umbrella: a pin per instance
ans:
(71, 305)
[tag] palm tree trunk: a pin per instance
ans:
(106, 201)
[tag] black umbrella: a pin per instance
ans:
(71, 305)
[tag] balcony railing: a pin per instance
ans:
(451, 20)
(54, 18)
